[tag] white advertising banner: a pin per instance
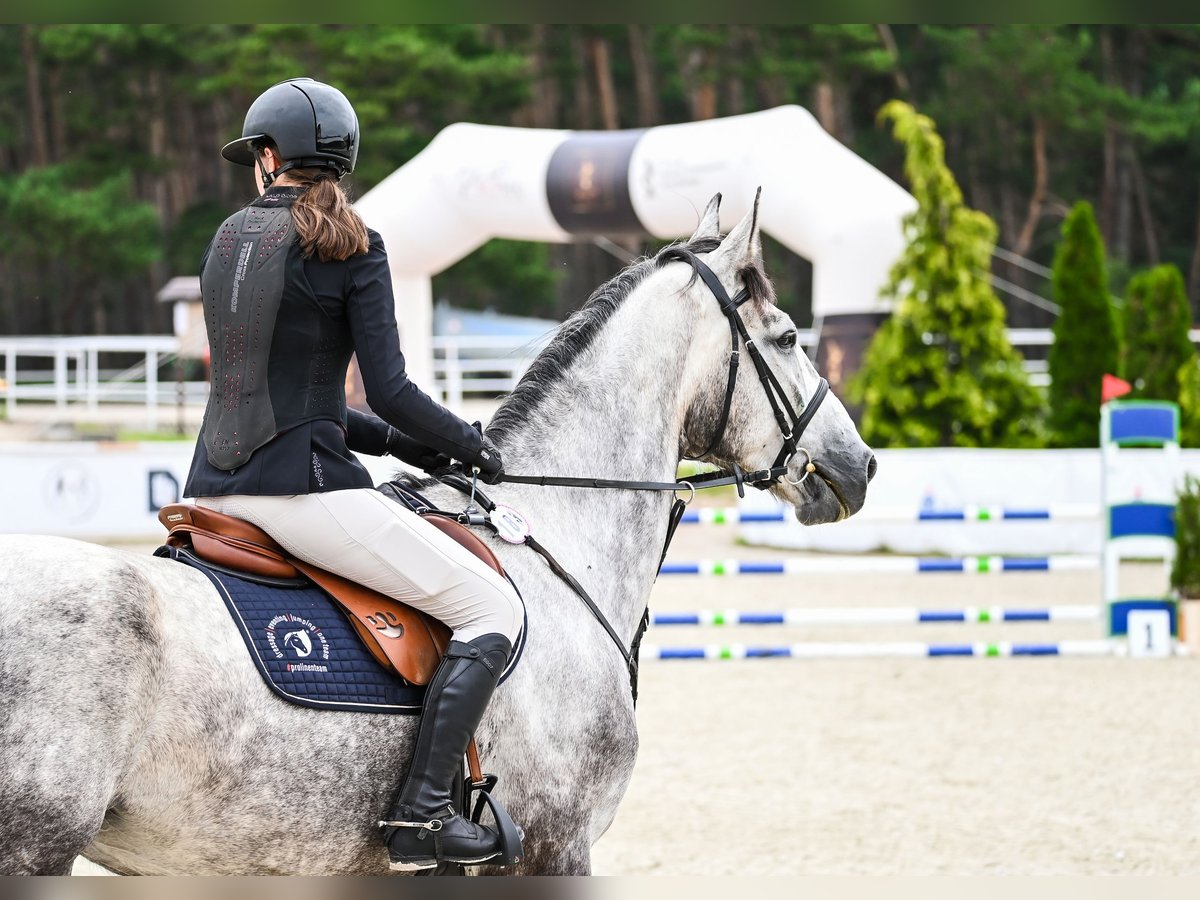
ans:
(101, 491)
(109, 491)
(1065, 484)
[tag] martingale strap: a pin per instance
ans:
(791, 426)
(459, 482)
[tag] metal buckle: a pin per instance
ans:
(809, 468)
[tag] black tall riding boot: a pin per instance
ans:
(424, 828)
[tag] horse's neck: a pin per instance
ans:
(617, 413)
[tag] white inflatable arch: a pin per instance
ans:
(478, 182)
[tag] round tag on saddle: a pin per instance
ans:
(510, 525)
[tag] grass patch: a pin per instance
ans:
(133, 435)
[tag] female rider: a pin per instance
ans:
(292, 285)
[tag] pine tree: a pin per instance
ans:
(940, 370)
(1085, 335)
(1189, 402)
(1157, 318)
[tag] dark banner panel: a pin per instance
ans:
(587, 183)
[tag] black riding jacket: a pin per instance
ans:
(344, 306)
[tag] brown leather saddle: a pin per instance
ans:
(400, 638)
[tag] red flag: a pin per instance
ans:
(1112, 387)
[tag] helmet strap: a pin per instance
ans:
(268, 178)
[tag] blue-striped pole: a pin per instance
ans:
(881, 564)
(914, 650)
(880, 616)
(973, 513)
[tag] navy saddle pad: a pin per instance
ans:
(305, 649)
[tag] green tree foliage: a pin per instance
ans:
(1085, 336)
(940, 371)
(1189, 402)
(1029, 114)
(1185, 569)
(1156, 319)
(89, 232)
(518, 272)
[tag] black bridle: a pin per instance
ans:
(791, 424)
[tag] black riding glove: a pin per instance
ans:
(489, 463)
(413, 452)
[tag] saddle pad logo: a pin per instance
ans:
(296, 638)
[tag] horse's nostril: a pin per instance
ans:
(872, 465)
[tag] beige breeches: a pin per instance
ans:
(361, 535)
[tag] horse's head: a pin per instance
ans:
(836, 487)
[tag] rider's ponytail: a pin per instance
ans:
(328, 226)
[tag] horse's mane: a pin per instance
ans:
(576, 334)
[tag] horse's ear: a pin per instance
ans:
(743, 245)
(710, 221)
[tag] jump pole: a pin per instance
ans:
(883, 564)
(880, 616)
(904, 649)
(972, 513)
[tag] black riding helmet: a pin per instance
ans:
(310, 124)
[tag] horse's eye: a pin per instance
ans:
(787, 340)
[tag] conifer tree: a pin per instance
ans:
(1085, 335)
(1157, 318)
(1189, 402)
(940, 371)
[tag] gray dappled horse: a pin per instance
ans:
(136, 731)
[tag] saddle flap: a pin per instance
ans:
(398, 636)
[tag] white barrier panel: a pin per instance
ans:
(112, 491)
(109, 491)
(939, 479)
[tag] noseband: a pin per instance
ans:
(790, 427)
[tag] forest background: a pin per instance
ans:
(111, 180)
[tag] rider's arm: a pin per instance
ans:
(366, 433)
(399, 402)
(369, 434)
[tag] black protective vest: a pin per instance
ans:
(271, 369)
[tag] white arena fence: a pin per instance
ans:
(66, 371)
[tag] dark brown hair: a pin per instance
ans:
(328, 226)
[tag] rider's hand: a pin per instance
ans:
(413, 452)
(489, 462)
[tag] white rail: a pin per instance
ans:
(463, 365)
(83, 355)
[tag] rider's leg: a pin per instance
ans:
(362, 535)
(423, 826)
